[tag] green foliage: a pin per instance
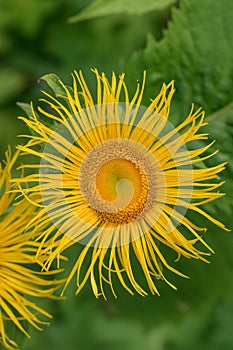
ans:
(54, 83)
(26, 107)
(39, 40)
(26, 16)
(100, 8)
(195, 49)
(11, 82)
(197, 52)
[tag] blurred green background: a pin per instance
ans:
(190, 41)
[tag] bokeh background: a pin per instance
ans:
(190, 41)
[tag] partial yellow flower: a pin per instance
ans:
(118, 178)
(19, 281)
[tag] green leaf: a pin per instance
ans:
(54, 82)
(197, 52)
(26, 107)
(221, 129)
(100, 8)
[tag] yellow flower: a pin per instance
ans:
(118, 178)
(19, 283)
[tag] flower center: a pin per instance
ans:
(117, 181)
(124, 184)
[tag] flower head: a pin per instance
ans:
(119, 178)
(19, 282)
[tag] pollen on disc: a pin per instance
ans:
(117, 180)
